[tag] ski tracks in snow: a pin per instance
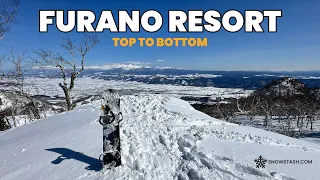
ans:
(158, 143)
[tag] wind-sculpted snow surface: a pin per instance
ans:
(161, 138)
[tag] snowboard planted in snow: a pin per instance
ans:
(110, 120)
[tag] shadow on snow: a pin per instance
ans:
(66, 154)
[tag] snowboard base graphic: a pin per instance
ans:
(110, 119)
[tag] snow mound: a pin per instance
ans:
(161, 138)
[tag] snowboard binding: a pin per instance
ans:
(107, 118)
(112, 159)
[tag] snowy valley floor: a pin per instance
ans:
(161, 138)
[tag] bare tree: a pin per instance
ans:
(2, 61)
(67, 68)
(17, 59)
(8, 12)
(17, 74)
(219, 98)
(13, 111)
(248, 105)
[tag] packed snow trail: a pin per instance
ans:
(161, 138)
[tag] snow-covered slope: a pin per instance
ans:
(161, 138)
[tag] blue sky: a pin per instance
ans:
(296, 45)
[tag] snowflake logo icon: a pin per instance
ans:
(260, 162)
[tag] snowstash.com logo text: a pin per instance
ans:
(193, 21)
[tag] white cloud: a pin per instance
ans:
(160, 60)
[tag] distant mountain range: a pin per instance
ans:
(179, 76)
